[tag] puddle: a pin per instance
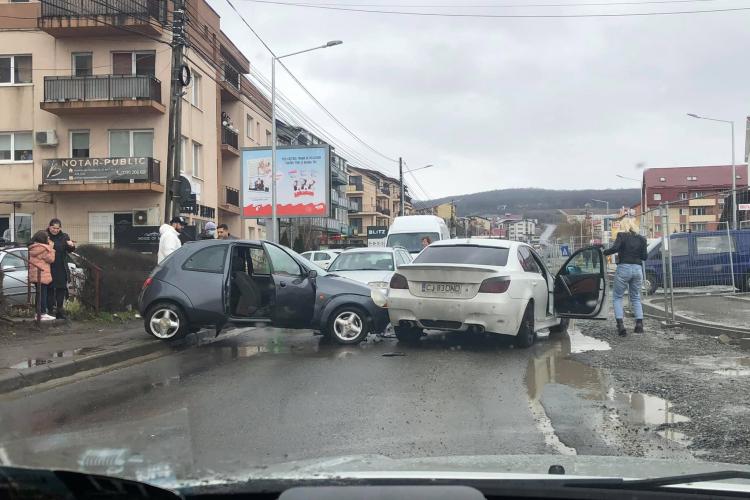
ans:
(734, 366)
(51, 357)
(554, 366)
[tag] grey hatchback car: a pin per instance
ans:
(214, 283)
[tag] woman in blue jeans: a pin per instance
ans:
(631, 250)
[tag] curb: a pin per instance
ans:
(698, 326)
(12, 380)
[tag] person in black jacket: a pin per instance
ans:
(631, 250)
(57, 291)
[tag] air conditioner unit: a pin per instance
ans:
(140, 217)
(46, 138)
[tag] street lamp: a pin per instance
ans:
(602, 201)
(734, 167)
(643, 199)
(274, 217)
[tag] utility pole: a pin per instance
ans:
(401, 182)
(174, 151)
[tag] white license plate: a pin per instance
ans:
(442, 288)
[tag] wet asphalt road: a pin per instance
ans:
(268, 396)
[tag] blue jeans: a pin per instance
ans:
(628, 277)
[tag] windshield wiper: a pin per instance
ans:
(658, 482)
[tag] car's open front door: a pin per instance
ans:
(581, 284)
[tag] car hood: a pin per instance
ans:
(333, 284)
(365, 276)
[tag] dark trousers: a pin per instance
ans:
(41, 297)
(55, 299)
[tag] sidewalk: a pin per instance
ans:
(31, 355)
(710, 313)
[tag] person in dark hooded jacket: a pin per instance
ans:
(57, 291)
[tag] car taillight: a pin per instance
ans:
(495, 285)
(147, 282)
(399, 282)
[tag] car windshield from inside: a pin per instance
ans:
(463, 254)
(412, 242)
(363, 261)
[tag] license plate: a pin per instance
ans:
(442, 288)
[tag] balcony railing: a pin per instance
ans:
(355, 186)
(232, 76)
(231, 196)
(355, 206)
(229, 138)
(385, 190)
(384, 211)
(101, 88)
(156, 9)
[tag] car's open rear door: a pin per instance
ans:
(581, 285)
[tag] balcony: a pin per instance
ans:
(338, 176)
(355, 188)
(702, 202)
(69, 95)
(231, 200)
(73, 18)
(354, 206)
(702, 218)
(76, 175)
(199, 210)
(229, 143)
(230, 83)
(383, 192)
(384, 211)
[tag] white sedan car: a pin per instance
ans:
(494, 286)
(372, 266)
(322, 258)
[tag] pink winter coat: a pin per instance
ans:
(40, 258)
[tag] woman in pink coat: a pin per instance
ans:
(41, 255)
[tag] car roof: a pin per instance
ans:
(369, 250)
(480, 242)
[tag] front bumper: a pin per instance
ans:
(495, 313)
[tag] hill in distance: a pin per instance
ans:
(536, 203)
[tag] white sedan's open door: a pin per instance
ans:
(581, 286)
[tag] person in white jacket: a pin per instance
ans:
(169, 237)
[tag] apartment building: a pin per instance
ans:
(325, 230)
(374, 200)
(519, 229)
(696, 197)
(446, 211)
(83, 137)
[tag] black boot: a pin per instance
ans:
(621, 331)
(638, 326)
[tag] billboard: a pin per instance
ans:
(302, 181)
(97, 169)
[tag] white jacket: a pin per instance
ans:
(169, 241)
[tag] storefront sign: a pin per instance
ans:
(744, 206)
(376, 236)
(137, 238)
(95, 169)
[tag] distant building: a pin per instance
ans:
(446, 211)
(519, 229)
(696, 197)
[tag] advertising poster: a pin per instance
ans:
(301, 182)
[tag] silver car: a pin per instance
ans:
(15, 274)
(372, 266)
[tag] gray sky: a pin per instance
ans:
(498, 103)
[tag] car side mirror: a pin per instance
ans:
(312, 274)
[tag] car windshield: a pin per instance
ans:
(463, 254)
(363, 261)
(544, 237)
(412, 242)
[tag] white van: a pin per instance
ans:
(409, 231)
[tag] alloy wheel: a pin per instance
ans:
(347, 325)
(164, 323)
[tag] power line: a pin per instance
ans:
(493, 16)
(505, 6)
(331, 115)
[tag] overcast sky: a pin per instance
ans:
(498, 103)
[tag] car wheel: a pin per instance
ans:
(650, 284)
(348, 325)
(526, 334)
(166, 321)
(562, 327)
(407, 334)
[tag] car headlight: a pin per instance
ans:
(378, 284)
(380, 299)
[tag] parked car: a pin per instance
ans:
(322, 258)
(14, 263)
(409, 230)
(494, 286)
(702, 259)
(213, 283)
(372, 266)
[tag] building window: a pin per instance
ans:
(683, 229)
(698, 194)
(15, 147)
(268, 138)
(137, 143)
(698, 227)
(183, 154)
(683, 211)
(249, 127)
(195, 91)
(257, 131)
(134, 63)
(657, 228)
(82, 64)
(79, 144)
(15, 70)
(683, 196)
(197, 160)
(698, 211)
(657, 196)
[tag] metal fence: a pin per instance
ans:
(156, 9)
(101, 87)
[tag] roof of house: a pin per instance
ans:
(714, 175)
